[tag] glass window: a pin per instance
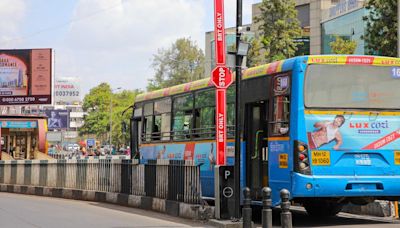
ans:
(138, 112)
(205, 114)
(162, 106)
(148, 109)
(184, 102)
(182, 117)
(350, 26)
(182, 124)
(350, 86)
(280, 124)
(148, 125)
(205, 98)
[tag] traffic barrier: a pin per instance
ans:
(266, 214)
(286, 215)
(162, 179)
(246, 210)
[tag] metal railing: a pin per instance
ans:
(164, 179)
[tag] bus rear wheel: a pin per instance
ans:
(322, 208)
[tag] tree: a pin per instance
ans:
(97, 106)
(181, 63)
(254, 56)
(381, 27)
(279, 27)
(341, 46)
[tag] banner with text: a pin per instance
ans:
(25, 76)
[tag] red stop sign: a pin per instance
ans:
(221, 77)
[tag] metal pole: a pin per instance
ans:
(286, 216)
(266, 214)
(111, 117)
(247, 216)
(237, 111)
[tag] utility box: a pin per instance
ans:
(224, 190)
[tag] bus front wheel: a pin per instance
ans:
(322, 208)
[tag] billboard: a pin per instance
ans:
(67, 91)
(25, 76)
(57, 119)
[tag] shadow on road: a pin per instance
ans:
(302, 219)
(151, 214)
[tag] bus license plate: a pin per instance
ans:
(362, 159)
(321, 157)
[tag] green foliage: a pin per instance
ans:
(278, 28)
(341, 46)
(254, 56)
(182, 62)
(381, 27)
(96, 104)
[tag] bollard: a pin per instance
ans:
(286, 216)
(267, 208)
(246, 211)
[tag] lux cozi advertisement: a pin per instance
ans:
(349, 131)
(25, 76)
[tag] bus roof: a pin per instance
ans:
(275, 67)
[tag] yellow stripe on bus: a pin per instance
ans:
(331, 112)
(278, 138)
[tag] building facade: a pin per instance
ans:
(321, 21)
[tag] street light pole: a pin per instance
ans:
(238, 69)
(112, 90)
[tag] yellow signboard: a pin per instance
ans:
(320, 157)
(397, 157)
(283, 161)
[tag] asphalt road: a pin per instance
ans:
(33, 211)
(342, 220)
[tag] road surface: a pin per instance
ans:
(18, 210)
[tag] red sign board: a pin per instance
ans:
(219, 32)
(221, 126)
(221, 77)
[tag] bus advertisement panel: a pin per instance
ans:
(25, 76)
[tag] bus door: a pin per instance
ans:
(257, 150)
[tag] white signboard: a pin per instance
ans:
(67, 91)
(54, 136)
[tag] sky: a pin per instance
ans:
(109, 41)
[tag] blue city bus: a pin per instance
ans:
(326, 128)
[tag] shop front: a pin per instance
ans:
(22, 136)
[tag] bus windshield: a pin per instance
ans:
(351, 86)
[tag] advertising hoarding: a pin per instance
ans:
(67, 91)
(25, 76)
(57, 119)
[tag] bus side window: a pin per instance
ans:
(162, 120)
(204, 114)
(280, 123)
(148, 122)
(182, 117)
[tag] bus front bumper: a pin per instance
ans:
(345, 186)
